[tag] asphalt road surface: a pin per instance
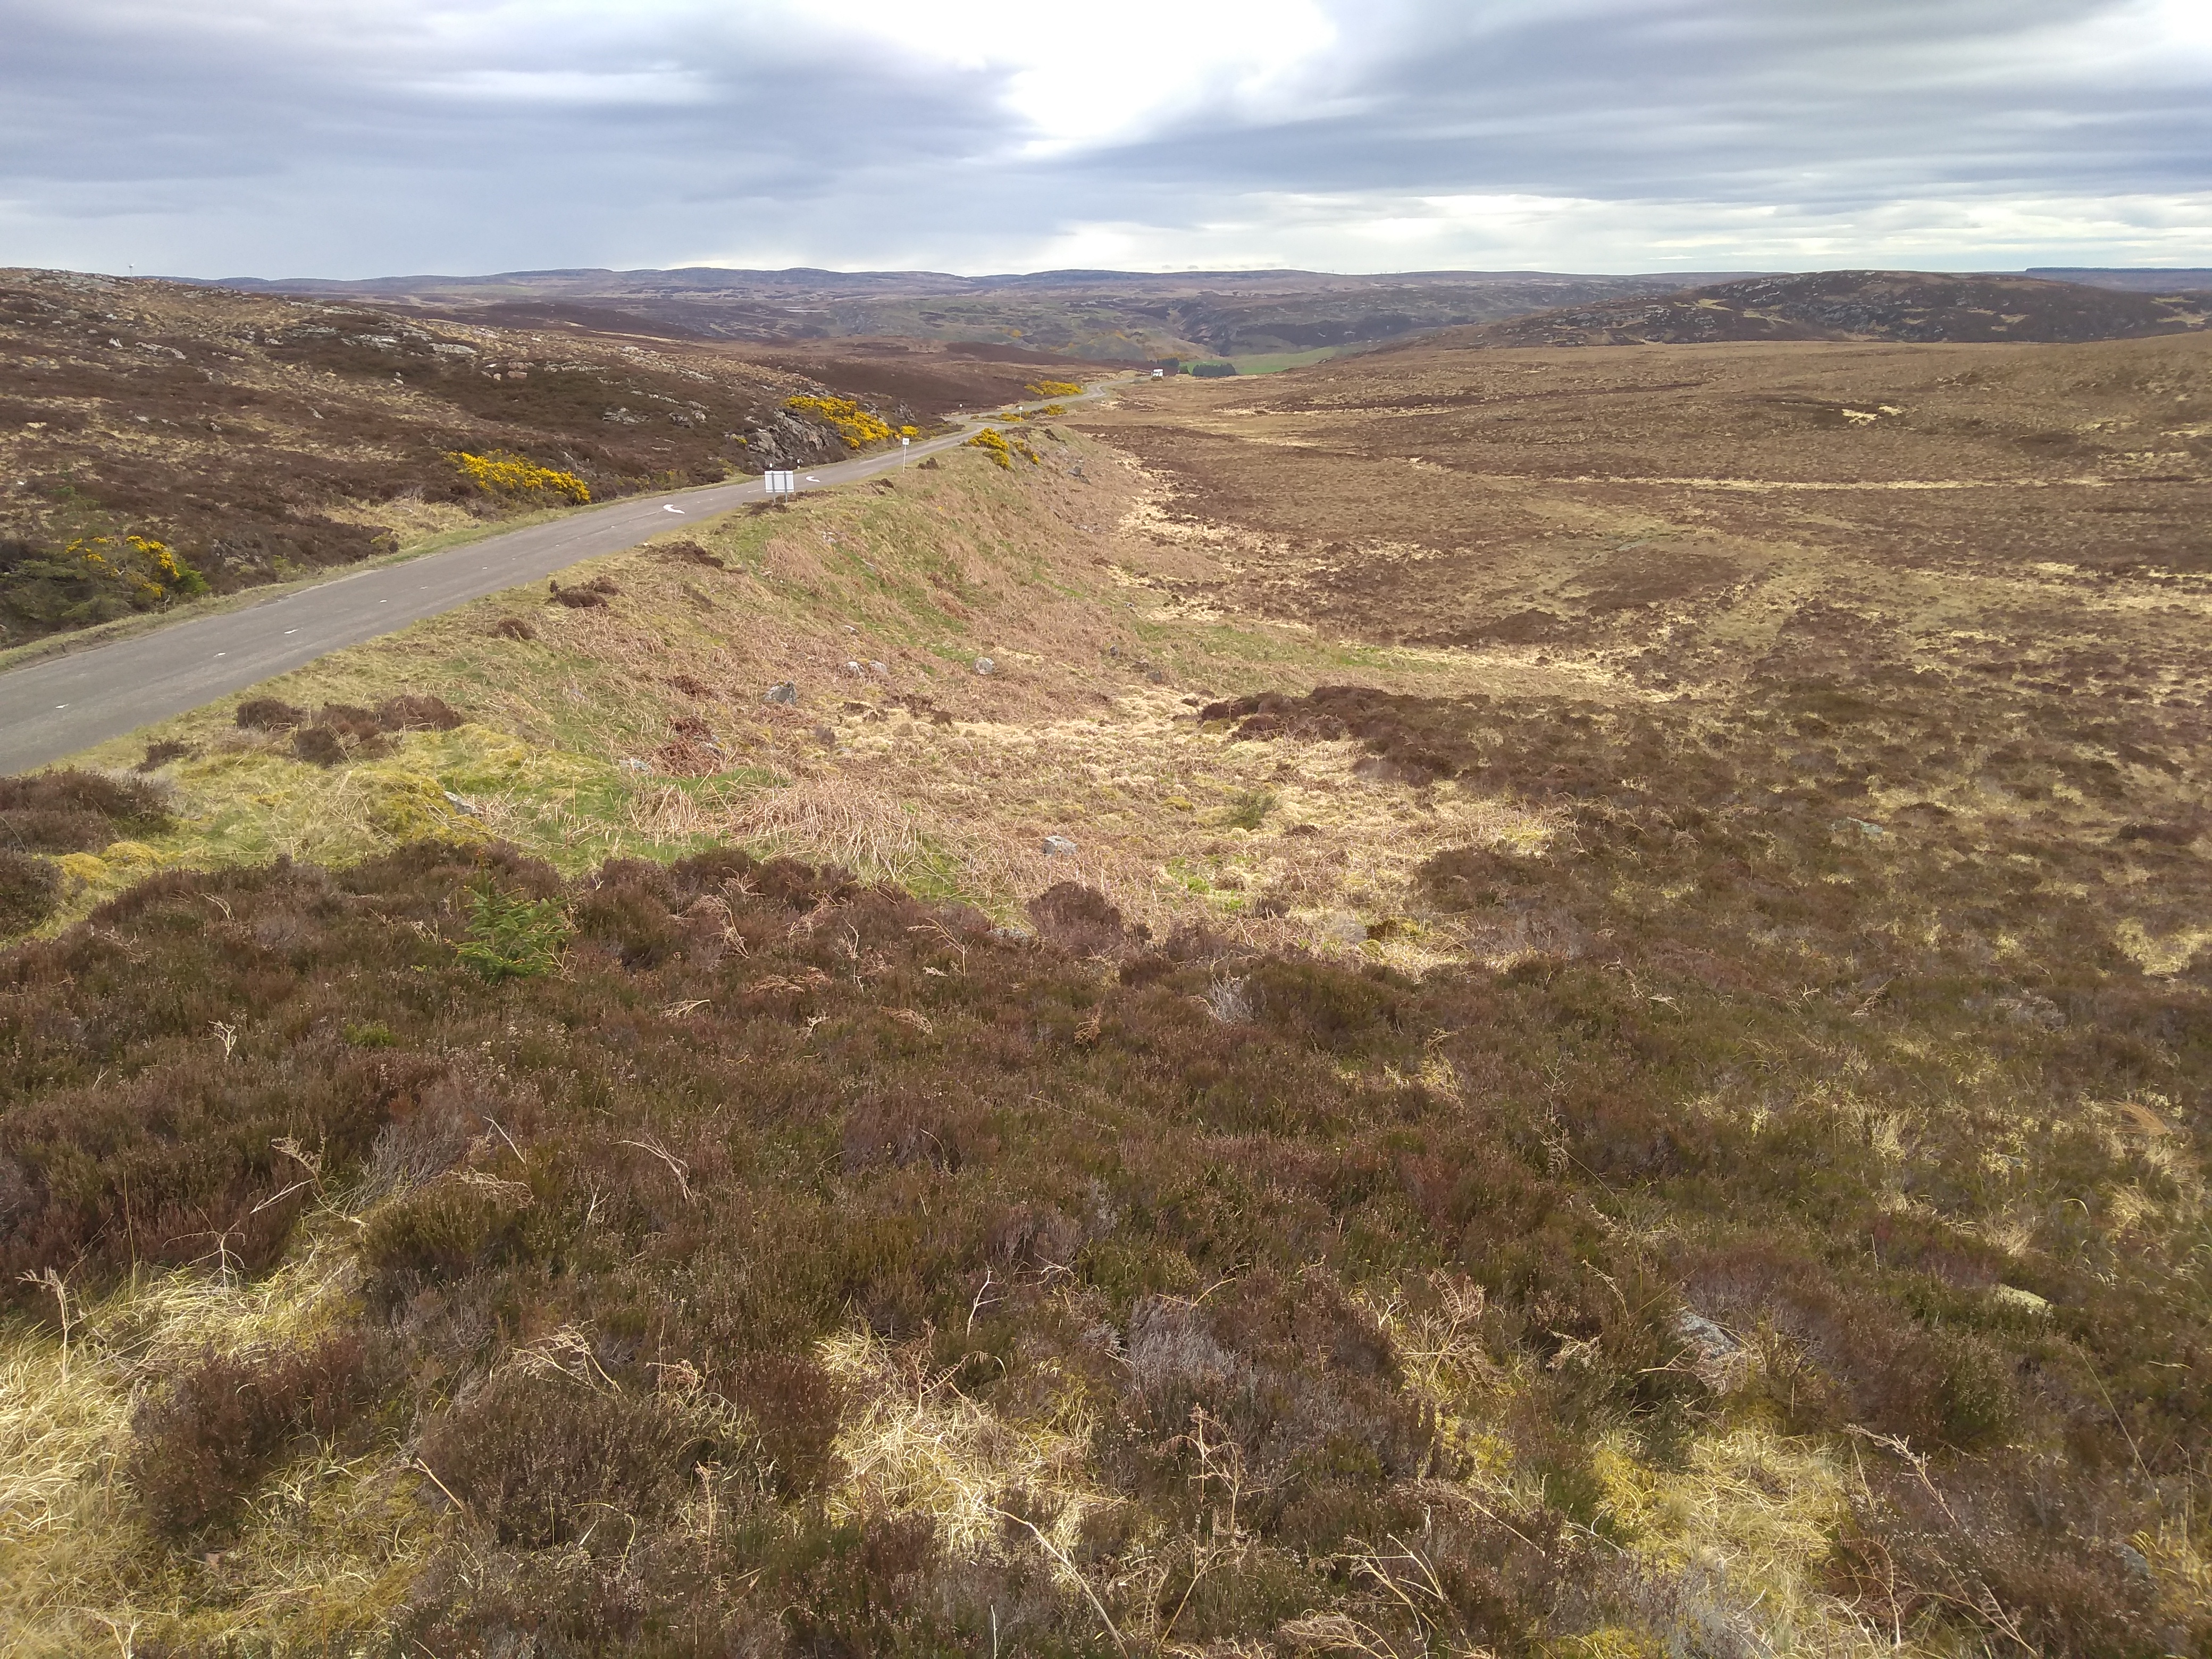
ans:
(57, 705)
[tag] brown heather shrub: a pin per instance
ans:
(269, 714)
(416, 711)
(1080, 919)
(686, 553)
(586, 596)
(202, 1440)
(795, 1407)
(1411, 739)
(541, 1459)
(30, 890)
(159, 754)
(69, 811)
(54, 830)
(514, 628)
(444, 1232)
(348, 722)
(2046, 1545)
(319, 745)
(343, 731)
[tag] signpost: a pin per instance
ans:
(780, 483)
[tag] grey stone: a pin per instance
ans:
(1058, 846)
(1709, 1339)
(985, 666)
(785, 693)
(1719, 1358)
(632, 765)
(1342, 927)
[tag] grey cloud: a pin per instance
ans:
(1729, 100)
(271, 138)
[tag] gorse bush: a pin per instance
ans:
(1055, 389)
(92, 579)
(516, 477)
(855, 425)
(1002, 448)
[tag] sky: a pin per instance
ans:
(370, 138)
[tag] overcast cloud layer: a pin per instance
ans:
(342, 137)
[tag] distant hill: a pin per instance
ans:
(1903, 306)
(2137, 280)
(1103, 316)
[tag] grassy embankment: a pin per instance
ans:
(637, 728)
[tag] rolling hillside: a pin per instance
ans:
(158, 440)
(1102, 315)
(1856, 305)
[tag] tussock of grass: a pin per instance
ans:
(912, 1443)
(323, 1552)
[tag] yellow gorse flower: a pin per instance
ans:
(137, 561)
(503, 474)
(1003, 449)
(854, 424)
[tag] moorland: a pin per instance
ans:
(1545, 1001)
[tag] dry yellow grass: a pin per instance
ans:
(324, 1554)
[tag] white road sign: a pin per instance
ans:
(782, 484)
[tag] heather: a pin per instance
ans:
(739, 1257)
